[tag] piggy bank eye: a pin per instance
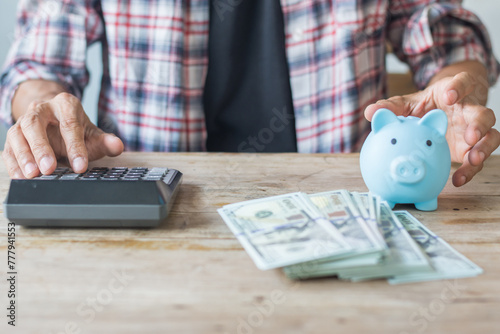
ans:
(394, 141)
(429, 143)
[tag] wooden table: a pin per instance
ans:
(190, 275)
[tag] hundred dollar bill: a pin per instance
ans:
(404, 255)
(376, 200)
(342, 213)
(370, 210)
(312, 269)
(446, 261)
(362, 204)
(283, 230)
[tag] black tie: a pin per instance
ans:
(247, 97)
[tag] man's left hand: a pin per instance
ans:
(470, 134)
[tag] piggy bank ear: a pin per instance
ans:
(381, 118)
(436, 119)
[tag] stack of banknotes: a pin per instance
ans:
(354, 236)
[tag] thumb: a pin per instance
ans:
(112, 144)
(412, 104)
(458, 88)
(100, 144)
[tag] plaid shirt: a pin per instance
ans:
(155, 61)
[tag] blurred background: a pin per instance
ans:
(487, 10)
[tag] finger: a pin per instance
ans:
(484, 148)
(22, 152)
(34, 127)
(466, 172)
(102, 144)
(458, 88)
(113, 144)
(480, 120)
(72, 120)
(416, 104)
(11, 162)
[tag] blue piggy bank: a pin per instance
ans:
(407, 159)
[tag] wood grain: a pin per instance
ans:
(190, 275)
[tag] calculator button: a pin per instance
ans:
(94, 173)
(48, 177)
(152, 178)
(61, 170)
(70, 176)
(134, 175)
(158, 170)
(155, 174)
(96, 169)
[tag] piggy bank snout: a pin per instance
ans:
(407, 169)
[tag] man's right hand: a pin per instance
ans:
(55, 129)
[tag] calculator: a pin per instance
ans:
(100, 197)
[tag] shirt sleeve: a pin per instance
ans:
(431, 34)
(50, 43)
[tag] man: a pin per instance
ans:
(236, 75)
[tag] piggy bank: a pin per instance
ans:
(407, 159)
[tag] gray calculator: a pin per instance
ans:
(100, 197)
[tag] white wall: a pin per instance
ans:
(487, 10)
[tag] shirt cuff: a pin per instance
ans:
(16, 74)
(440, 35)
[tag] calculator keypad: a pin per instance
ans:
(113, 174)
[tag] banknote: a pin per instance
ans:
(362, 201)
(368, 205)
(446, 261)
(312, 269)
(284, 230)
(352, 235)
(404, 255)
(341, 211)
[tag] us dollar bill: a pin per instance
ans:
(446, 261)
(362, 204)
(369, 207)
(404, 255)
(341, 211)
(284, 230)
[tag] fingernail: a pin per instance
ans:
(78, 163)
(463, 179)
(29, 168)
(46, 163)
(478, 134)
(453, 96)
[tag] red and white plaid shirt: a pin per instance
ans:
(155, 61)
